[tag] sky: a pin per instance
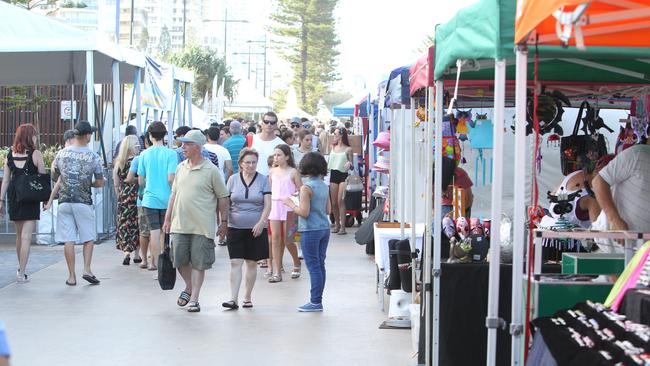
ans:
(377, 37)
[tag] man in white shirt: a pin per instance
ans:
(265, 142)
(225, 160)
(622, 189)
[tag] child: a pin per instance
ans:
(313, 225)
(285, 181)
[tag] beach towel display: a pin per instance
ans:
(629, 277)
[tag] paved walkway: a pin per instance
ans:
(128, 320)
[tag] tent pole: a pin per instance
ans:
(90, 92)
(179, 110)
(413, 200)
(493, 322)
(392, 192)
(117, 107)
(188, 97)
(138, 98)
(426, 250)
(402, 173)
(519, 185)
(437, 221)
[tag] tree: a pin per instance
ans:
(206, 65)
(308, 41)
(165, 43)
(279, 98)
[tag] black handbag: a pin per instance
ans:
(580, 151)
(166, 270)
(32, 188)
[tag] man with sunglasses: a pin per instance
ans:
(266, 141)
(295, 124)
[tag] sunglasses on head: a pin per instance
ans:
(266, 121)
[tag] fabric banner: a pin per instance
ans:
(158, 85)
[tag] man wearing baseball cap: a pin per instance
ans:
(77, 164)
(192, 215)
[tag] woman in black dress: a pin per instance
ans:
(23, 158)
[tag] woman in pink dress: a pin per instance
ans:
(285, 181)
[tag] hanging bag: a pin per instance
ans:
(578, 151)
(166, 270)
(32, 188)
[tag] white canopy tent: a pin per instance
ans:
(248, 99)
(38, 50)
(292, 109)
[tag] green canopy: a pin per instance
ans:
(484, 32)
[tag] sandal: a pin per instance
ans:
(183, 299)
(336, 228)
(247, 304)
(127, 260)
(263, 264)
(295, 272)
(144, 265)
(275, 279)
(342, 231)
(193, 307)
(152, 268)
(230, 305)
(137, 260)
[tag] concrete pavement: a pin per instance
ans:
(128, 320)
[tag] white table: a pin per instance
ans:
(384, 235)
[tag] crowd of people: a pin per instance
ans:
(255, 188)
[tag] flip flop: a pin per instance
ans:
(92, 279)
(247, 304)
(137, 260)
(70, 283)
(230, 305)
(144, 265)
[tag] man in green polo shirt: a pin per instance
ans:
(192, 214)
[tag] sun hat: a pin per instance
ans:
(383, 140)
(195, 136)
(382, 164)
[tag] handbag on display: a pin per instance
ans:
(32, 188)
(578, 151)
(166, 270)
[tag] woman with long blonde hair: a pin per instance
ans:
(127, 196)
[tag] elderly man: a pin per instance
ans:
(78, 164)
(191, 217)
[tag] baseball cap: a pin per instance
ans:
(83, 128)
(195, 136)
(68, 135)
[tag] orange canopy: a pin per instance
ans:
(606, 23)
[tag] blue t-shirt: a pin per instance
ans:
(4, 345)
(234, 145)
(155, 164)
(134, 169)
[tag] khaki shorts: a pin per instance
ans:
(143, 226)
(75, 223)
(192, 250)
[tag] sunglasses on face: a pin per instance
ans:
(266, 122)
(294, 126)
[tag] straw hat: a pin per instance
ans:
(383, 140)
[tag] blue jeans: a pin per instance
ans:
(314, 248)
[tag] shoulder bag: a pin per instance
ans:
(579, 151)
